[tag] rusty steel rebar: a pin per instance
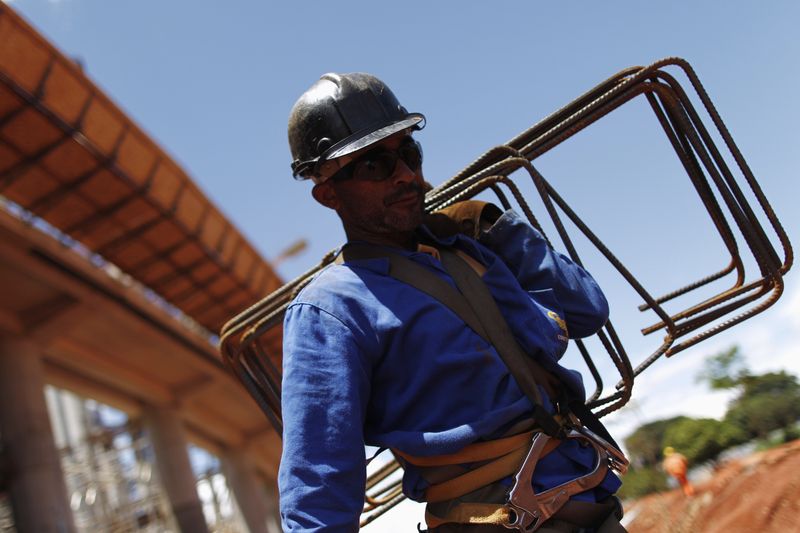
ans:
(243, 339)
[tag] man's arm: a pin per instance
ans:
(524, 250)
(324, 397)
(538, 267)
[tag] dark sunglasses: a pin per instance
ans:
(379, 164)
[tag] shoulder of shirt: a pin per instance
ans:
(337, 283)
(333, 285)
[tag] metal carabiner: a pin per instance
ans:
(524, 514)
(617, 460)
(528, 510)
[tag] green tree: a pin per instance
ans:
(724, 370)
(702, 439)
(640, 481)
(764, 403)
(767, 402)
(646, 444)
(699, 439)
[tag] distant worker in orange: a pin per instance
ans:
(676, 465)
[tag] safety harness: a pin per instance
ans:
(482, 465)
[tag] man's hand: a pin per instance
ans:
(470, 217)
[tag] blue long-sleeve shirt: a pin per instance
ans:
(368, 359)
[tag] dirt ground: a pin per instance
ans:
(756, 493)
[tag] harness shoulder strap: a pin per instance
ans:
(483, 303)
(419, 277)
(475, 305)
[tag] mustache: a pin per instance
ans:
(404, 191)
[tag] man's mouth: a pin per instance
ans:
(405, 199)
(407, 196)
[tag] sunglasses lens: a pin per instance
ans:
(376, 166)
(380, 164)
(411, 154)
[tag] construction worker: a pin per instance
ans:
(676, 465)
(372, 356)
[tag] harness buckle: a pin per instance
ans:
(616, 459)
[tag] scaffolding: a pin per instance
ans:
(111, 476)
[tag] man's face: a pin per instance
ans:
(375, 210)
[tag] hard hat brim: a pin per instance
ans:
(359, 140)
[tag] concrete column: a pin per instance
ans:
(38, 491)
(175, 470)
(257, 504)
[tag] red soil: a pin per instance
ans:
(756, 493)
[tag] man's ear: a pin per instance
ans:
(325, 194)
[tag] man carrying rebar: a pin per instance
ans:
(438, 338)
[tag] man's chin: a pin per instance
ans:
(405, 222)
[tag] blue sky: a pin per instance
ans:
(213, 83)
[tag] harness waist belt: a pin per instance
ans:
(504, 457)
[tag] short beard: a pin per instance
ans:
(382, 220)
(406, 222)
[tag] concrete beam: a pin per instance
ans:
(10, 323)
(73, 355)
(55, 317)
(186, 392)
(64, 378)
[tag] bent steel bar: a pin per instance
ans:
(253, 353)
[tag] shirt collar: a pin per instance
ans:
(381, 265)
(427, 235)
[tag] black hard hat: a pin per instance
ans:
(342, 113)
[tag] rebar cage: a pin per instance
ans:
(729, 194)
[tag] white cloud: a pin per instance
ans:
(768, 341)
(791, 308)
